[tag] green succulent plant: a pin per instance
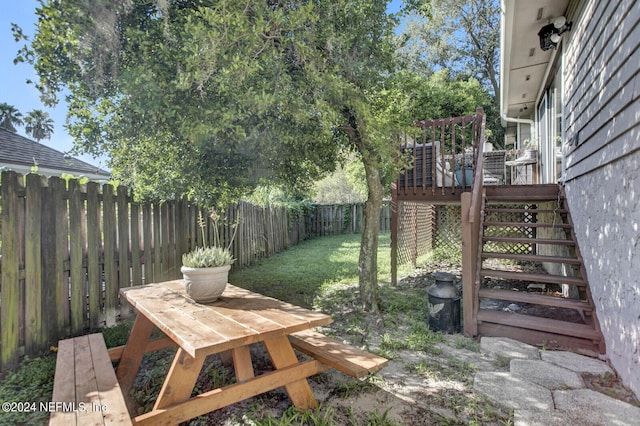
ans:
(207, 257)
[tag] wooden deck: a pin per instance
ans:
(524, 224)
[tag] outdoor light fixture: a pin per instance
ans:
(550, 34)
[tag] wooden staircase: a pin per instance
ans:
(530, 281)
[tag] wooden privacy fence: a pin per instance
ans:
(337, 219)
(67, 249)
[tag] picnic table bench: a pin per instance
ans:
(85, 388)
(343, 357)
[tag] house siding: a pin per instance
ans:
(602, 183)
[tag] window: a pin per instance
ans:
(550, 127)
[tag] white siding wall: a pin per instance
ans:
(602, 118)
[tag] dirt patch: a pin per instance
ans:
(610, 385)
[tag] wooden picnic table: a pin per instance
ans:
(227, 326)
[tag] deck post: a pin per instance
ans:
(469, 266)
(394, 234)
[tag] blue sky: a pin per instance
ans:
(14, 89)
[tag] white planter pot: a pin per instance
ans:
(205, 284)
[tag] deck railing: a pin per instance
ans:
(442, 156)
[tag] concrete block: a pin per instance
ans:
(576, 362)
(509, 348)
(540, 418)
(595, 408)
(548, 375)
(511, 391)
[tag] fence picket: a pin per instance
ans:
(33, 264)
(110, 259)
(9, 314)
(122, 226)
(94, 271)
(136, 266)
(164, 241)
(49, 264)
(75, 259)
(61, 214)
(157, 254)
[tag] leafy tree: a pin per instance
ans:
(10, 117)
(207, 98)
(347, 184)
(39, 125)
(462, 36)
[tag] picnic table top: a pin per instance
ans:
(238, 318)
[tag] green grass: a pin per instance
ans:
(299, 274)
(32, 382)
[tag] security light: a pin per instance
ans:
(550, 34)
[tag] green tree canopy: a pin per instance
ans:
(462, 36)
(206, 97)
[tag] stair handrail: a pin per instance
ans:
(477, 189)
(472, 205)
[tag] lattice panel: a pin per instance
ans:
(415, 231)
(510, 231)
(448, 227)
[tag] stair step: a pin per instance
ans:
(527, 276)
(535, 299)
(531, 258)
(542, 339)
(518, 210)
(524, 192)
(520, 199)
(528, 224)
(538, 323)
(529, 240)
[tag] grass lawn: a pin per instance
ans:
(303, 272)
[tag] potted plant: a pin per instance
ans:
(205, 270)
(464, 161)
(530, 148)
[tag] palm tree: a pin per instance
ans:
(39, 125)
(9, 117)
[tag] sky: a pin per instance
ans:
(14, 89)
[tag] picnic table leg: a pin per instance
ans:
(133, 352)
(181, 379)
(282, 355)
(242, 363)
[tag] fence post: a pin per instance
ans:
(394, 234)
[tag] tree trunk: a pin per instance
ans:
(368, 261)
